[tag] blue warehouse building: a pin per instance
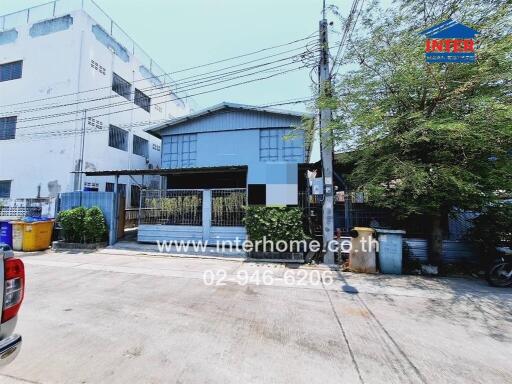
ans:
(218, 160)
(266, 144)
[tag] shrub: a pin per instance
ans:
(72, 224)
(80, 225)
(274, 223)
(95, 229)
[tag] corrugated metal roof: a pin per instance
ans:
(224, 105)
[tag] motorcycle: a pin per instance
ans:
(499, 273)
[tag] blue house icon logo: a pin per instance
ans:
(450, 42)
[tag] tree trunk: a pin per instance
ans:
(435, 245)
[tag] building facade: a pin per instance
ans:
(76, 94)
(217, 161)
(268, 143)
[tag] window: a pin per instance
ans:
(91, 187)
(11, 71)
(183, 150)
(142, 100)
(121, 87)
(117, 138)
(269, 144)
(8, 128)
(135, 196)
(5, 189)
(281, 144)
(140, 146)
(110, 187)
(293, 148)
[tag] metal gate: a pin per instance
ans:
(192, 214)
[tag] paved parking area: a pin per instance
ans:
(111, 318)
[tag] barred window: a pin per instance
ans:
(183, 150)
(117, 138)
(142, 100)
(135, 196)
(121, 86)
(140, 146)
(278, 144)
(5, 188)
(11, 71)
(8, 127)
(110, 187)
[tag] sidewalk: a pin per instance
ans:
(134, 248)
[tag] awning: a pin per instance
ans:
(166, 171)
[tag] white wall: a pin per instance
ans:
(60, 64)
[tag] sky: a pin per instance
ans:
(179, 34)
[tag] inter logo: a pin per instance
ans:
(449, 42)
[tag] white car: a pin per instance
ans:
(12, 271)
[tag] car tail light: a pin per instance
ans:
(14, 288)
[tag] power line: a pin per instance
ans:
(347, 33)
(112, 96)
(70, 132)
(162, 94)
(197, 94)
(309, 37)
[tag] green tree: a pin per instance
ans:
(425, 138)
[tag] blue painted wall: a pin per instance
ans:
(233, 138)
(226, 120)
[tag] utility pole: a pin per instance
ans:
(326, 144)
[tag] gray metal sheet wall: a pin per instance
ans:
(106, 201)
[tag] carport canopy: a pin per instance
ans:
(188, 178)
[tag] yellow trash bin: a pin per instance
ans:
(37, 236)
(17, 235)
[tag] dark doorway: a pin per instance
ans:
(208, 180)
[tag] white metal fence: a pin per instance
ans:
(171, 207)
(225, 207)
(228, 207)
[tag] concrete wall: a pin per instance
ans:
(62, 58)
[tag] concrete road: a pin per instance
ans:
(110, 318)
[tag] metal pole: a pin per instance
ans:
(326, 141)
(82, 148)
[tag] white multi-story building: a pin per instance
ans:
(74, 86)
